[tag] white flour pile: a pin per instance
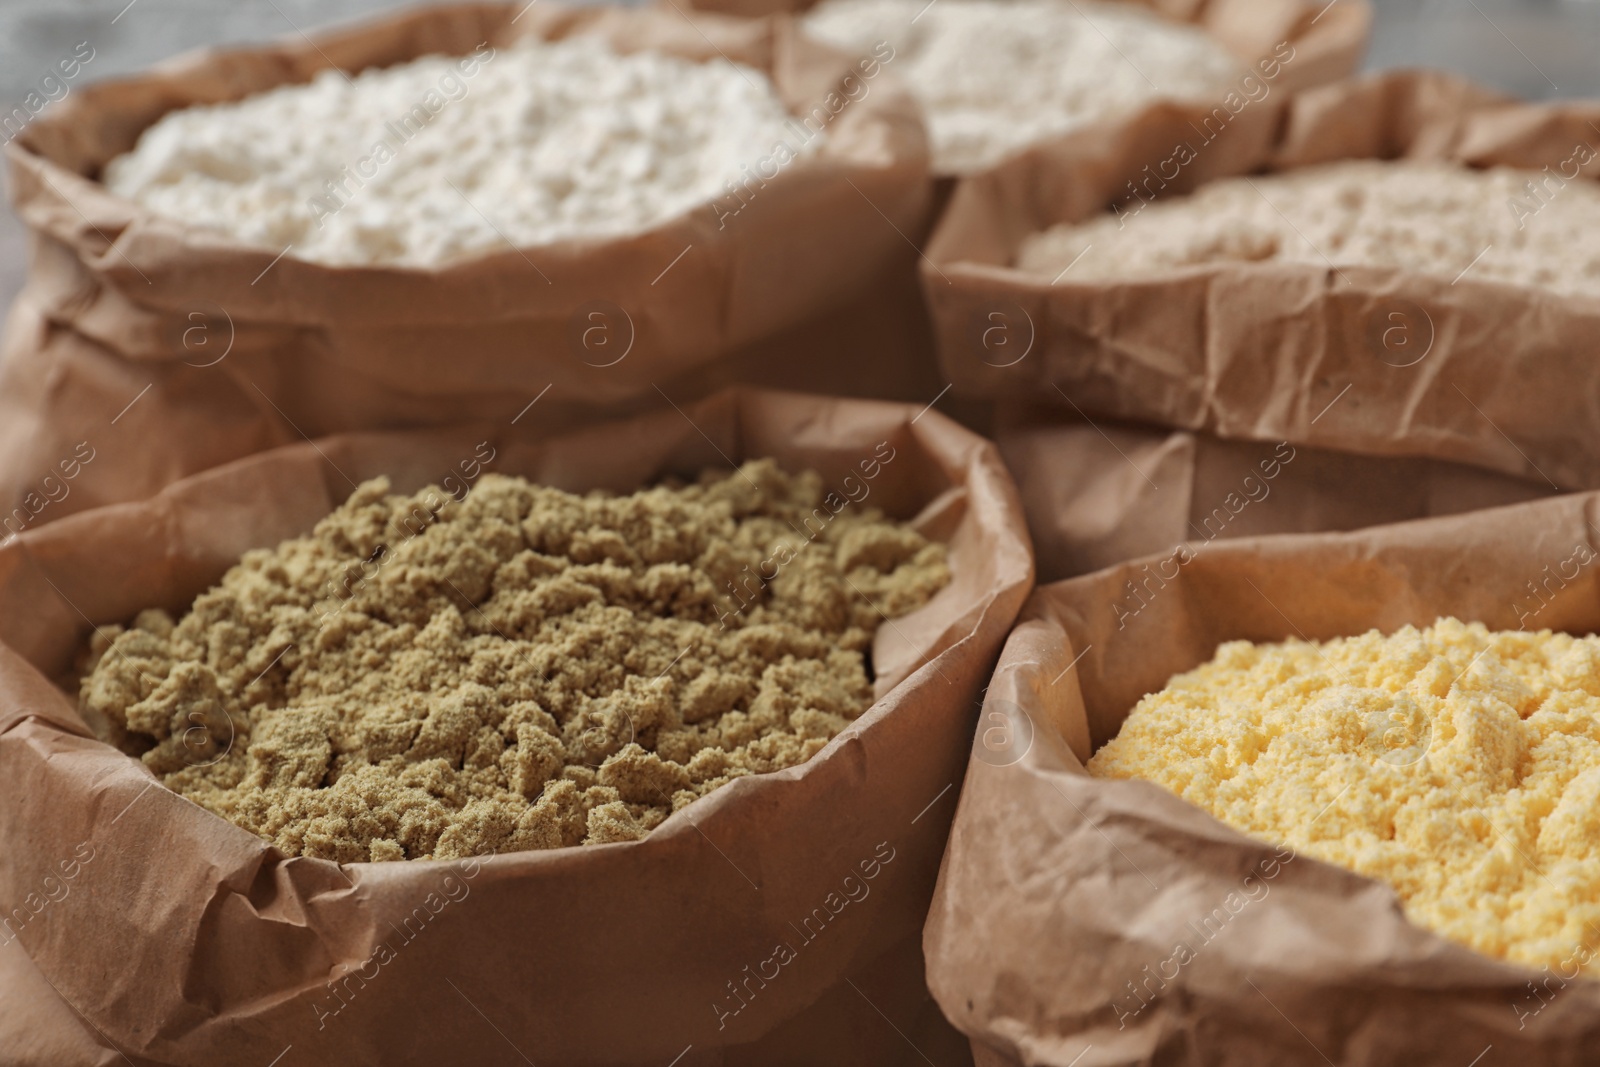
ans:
(1430, 218)
(445, 157)
(996, 75)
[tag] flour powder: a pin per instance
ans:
(446, 157)
(519, 669)
(1505, 225)
(994, 76)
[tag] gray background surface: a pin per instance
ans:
(1532, 48)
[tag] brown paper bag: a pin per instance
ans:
(1327, 43)
(1061, 895)
(38, 1028)
(184, 939)
(167, 350)
(1369, 360)
(1099, 493)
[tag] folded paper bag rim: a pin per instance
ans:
(1059, 890)
(265, 944)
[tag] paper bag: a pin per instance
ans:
(184, 939)
(1062, 898)
(1099, 493)
(1326, 43)
(1370, 360)
(165, 349)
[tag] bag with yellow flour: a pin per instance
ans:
(1307, 799)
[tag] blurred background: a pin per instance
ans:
(1536, 49)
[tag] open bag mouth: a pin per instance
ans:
(788, 835)
(864, 130)
(1091, 880)
(1321, 43)
(1372, 359)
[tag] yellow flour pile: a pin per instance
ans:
(521, 669)
(1460, 766)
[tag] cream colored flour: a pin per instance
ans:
(995, 76)
(1458, 765)
(521, 669)
(1431, 218)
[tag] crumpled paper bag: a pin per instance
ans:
(1326, 43)
(184, 939)
(1098, 493)
(1062, 899)
(167, 350)
(1370, 360)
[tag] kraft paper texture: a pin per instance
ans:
(181, 939)
(1062, 898)
(1099, 493)
(1369, 360)
(167, 350)
(1327, 43)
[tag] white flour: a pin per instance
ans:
(1430, 218)
(441, 158)
(994, 76)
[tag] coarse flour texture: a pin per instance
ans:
(1460, 766)
(994, 76)
(444, 157)
(520, 669)
(1431, 218)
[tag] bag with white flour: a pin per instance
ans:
(995, 77)
(1402, 282)
(461, 213)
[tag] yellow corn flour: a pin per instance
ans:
(1460, 766)
(519, 669)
